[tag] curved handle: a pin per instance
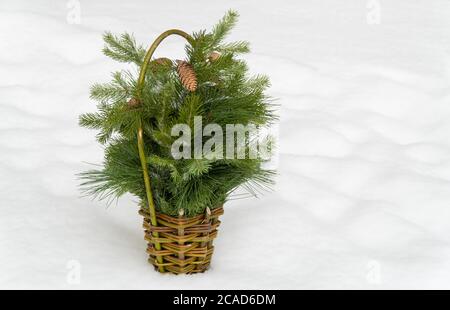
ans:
(140, 135)
(152, 49)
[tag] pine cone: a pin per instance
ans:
(187, 75)
(213, 56)
(133, 103)
(160, 63)
(163, 61)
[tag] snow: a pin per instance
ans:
(363, 191)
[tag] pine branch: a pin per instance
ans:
(196, 168)
(165, 163)
(238, 47)
(123, 48)
(223, 27)
(91, 120)
(192, 107)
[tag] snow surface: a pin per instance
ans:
(363, 192)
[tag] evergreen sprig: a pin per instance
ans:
(123, 48)
(225, 94)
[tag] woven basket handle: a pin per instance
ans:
(140, 135)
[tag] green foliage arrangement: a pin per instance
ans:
(224, 94)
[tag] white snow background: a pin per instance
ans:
(363, 192)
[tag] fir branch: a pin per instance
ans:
(196, 168)
(121, 87)
(238, 47)
(191, 107)
(123, 48)
(165, 163)
(91, 120)
(223, 27)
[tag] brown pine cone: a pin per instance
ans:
(163, 61)
(213, 56)
(159, 63)
(187, 75)
(133, 103)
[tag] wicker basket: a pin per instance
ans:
(186, 243)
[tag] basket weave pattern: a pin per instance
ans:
(187, 243)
